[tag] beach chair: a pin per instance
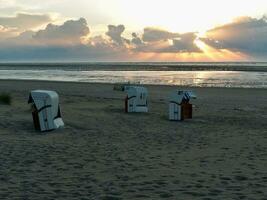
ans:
(45, 110)
(136, 100)
(180, 107)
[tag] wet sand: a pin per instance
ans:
(103, 153)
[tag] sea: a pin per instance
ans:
(227, 74)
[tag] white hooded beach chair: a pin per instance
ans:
(136, 100)
(179, 105)
(45, 110)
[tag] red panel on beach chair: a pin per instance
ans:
(187, 111)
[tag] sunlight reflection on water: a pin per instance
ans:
(181, 78)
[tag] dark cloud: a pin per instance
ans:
(24, 21)
(60, 53)
(185, 43)
(181, 43)
(102, 47)
(115, 34)
(136, 40)
(213, 43)
(24, 38)
(69, 33)
(99, 43)
(245, 34)
(30, 45)
(154, 35)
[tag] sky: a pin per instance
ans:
(121, 30)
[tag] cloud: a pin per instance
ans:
(212, 42)
(60, 53)
(245, 34)
(62, 42)
(25, 21)
(23, 39)
(4, 4)
(166, 42)
(7, 32)
(115, 32)
(102, 47)
(185, 43)
(162, 41)
(70, 33)
(155, 34)
(136, 40)
(57, 42)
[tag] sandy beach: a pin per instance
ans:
(103, 153)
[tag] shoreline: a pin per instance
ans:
(117, 66)
(109, 84)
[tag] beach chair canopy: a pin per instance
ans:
(182, 96)
(140, 93)
(136, 99)
(46, 109)
(179, 106)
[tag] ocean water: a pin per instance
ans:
(204, 78)
(141, 66)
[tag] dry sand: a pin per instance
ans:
(103, 153)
